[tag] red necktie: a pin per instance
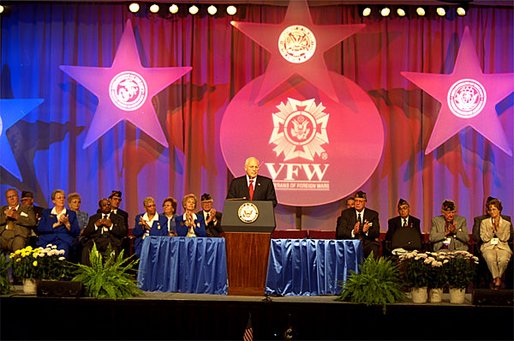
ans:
(250, 189)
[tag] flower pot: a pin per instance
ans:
(457, 295)
(419, 295)
(29, 286)
(436, 295)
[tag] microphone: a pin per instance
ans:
(236, 199)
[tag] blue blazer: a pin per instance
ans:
(60, 235)
(199, 223)
(158, 228)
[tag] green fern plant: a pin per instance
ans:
(109, 278)
(377, 283)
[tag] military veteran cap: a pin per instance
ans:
(27, 194)
(115, 194)
(402, 202)
(360, 194)
(206, 197)
(448, 205)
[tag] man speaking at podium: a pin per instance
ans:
(252, 186)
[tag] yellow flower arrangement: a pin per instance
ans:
(40, 263)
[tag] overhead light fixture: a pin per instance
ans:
(461, 11)
(2, 9)
(173, 9)
(366, 11)
(154, 8)
(401, 12)
(231, 10)
(385, 11)
(441, 11)
(134, 7)
(193, 10)
(421, 11)
(212, 10)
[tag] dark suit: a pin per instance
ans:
(213, 229)
(22, 227)
(101, 237)
(395, 225)
(369, 240)
(124, 215)
(263, 189)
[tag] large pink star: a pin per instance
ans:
(125, 90)
(468, 98)
(314, 69)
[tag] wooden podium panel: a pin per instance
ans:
(247, 262)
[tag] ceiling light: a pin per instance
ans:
(154, 8)
(385, 11)
(212, 10)
(401, 12)
(440, 11)
(173, 9)
(461, 11)
(193, 10)
(134, 7)
(2, 9)
(366, 11)
(231, 10)
(421, 11)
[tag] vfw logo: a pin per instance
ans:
(299, 132)
(128, 90)
(466, 98)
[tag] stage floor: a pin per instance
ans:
(179, 316)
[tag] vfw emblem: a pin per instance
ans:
(466, 98)
(128, 90)
(297, 44)
(299, 132)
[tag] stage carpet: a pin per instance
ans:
(177, 316)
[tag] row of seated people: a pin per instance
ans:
(75, 232)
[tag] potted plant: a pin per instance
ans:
(415, 269)
(108, 278)
(378, 282)
(5, 285)
(460, 272)
(438, 278)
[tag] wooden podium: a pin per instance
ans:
(247, 239)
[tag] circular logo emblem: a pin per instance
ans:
(128, 90)
(297, 44)
(466, 98)
(248, 213)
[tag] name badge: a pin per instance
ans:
(495, 241)
(447, 241)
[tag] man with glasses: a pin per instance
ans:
(403, 231)
(361, 223)
(16, 222)
(449, 231)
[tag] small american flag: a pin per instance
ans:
(248, 334)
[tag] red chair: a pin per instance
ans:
(289, 234)
(322, 234)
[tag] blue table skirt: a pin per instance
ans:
(181, 264)
(311, 267)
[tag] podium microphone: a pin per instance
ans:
(236, 199)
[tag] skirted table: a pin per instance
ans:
(181, 264)
(311, 267)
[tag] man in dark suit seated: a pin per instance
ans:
(403, 231)
(361, 223)
(211, 216)
(103, 228)
(252, 186)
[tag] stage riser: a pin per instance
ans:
(141, 319)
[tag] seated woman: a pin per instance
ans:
(189, 224)
(169, 207)
(58, 226)
(495, 236)
(149, 223)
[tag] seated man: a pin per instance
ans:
(361, 223)
(211, 216)
(103, 229)
(403, 231)
(449, 231)
(16, 222)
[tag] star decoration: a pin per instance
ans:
(11, 111)
(468, 98)
(313, 68)
(125, 90)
